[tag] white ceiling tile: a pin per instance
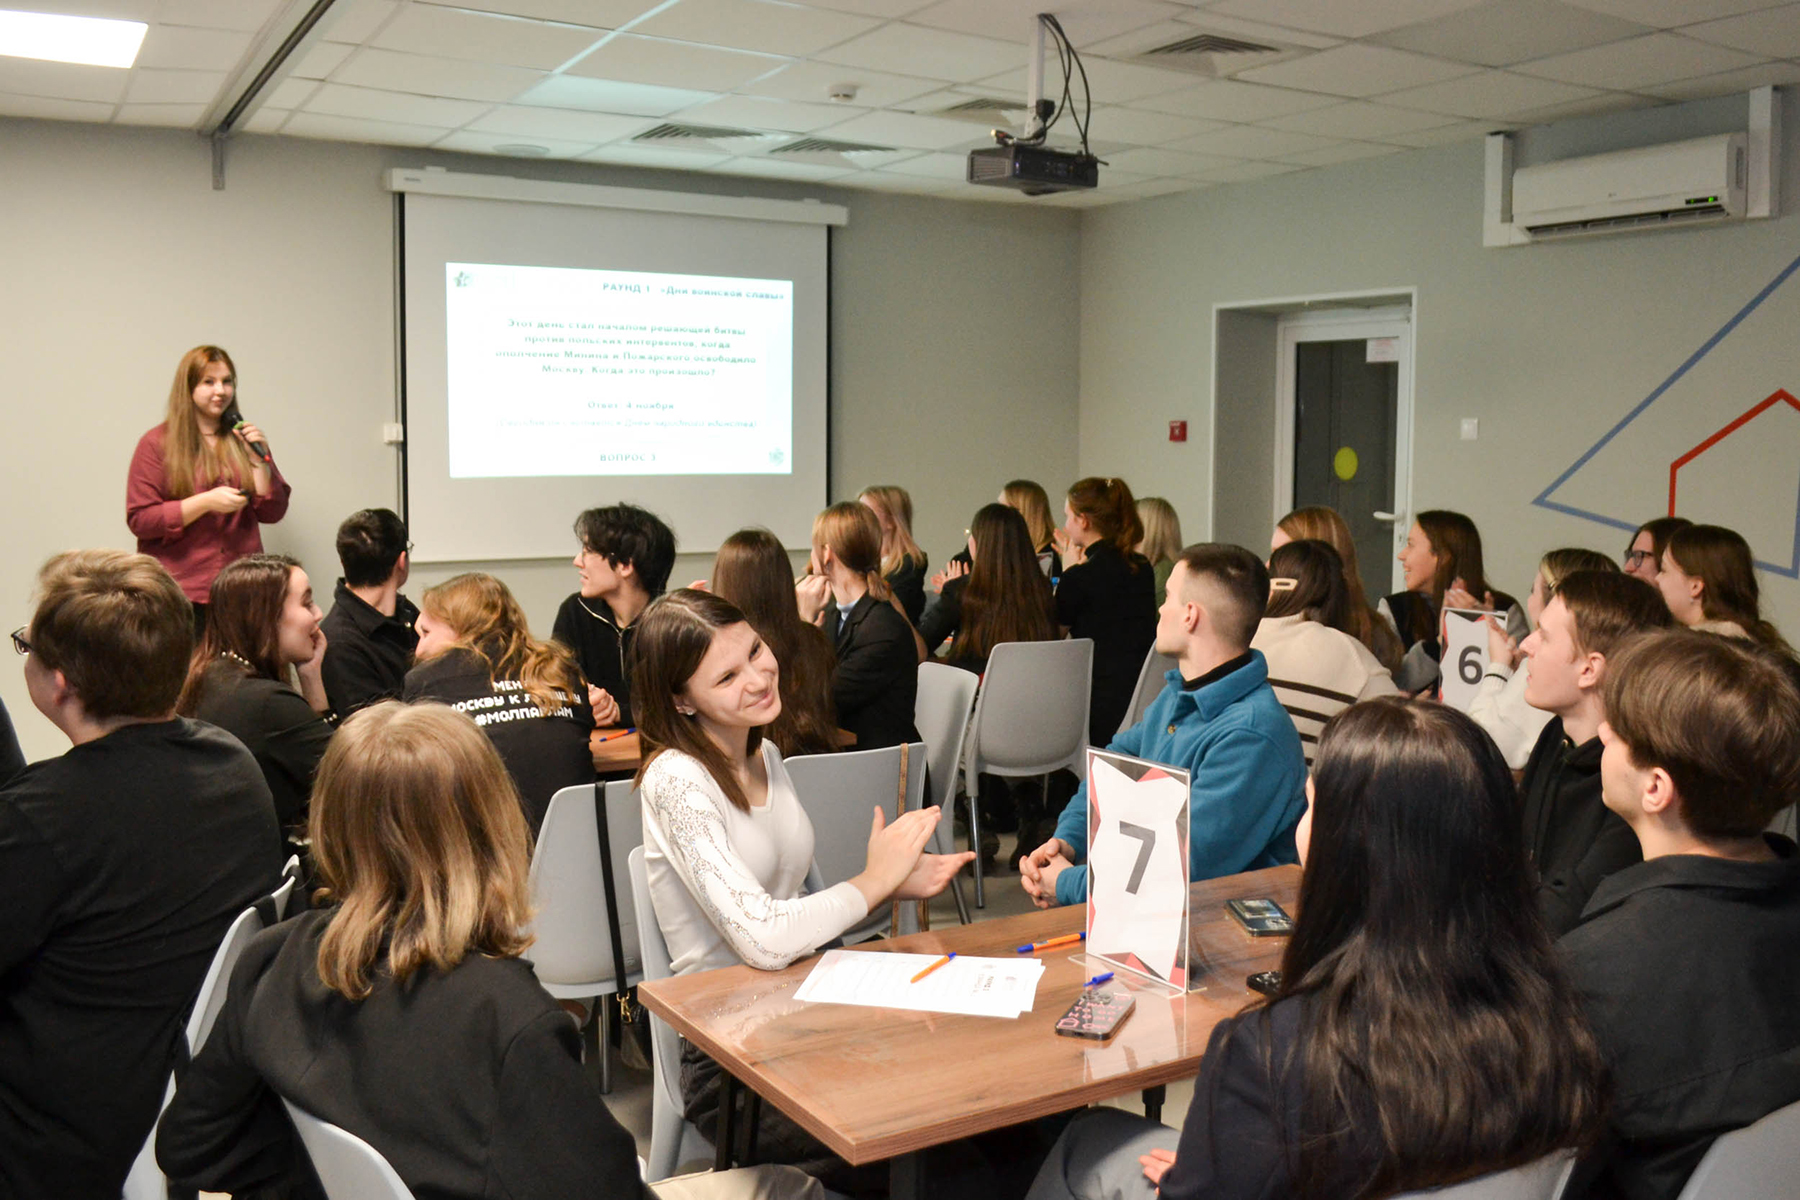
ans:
(1667, 14)
(1141, 128)
(506, 146)
(370, 104)
(1357, 70)
(174, 87)
(606, 95)
(890, 181)
(933, 166)
(1342, 18)
(118, 10)
(1161, 187)
(1774, 33)
(1358, 119)
(1441, 135)
(770, 168)
(629, 58)
(601, 14)
(1112, 82)
(62, 81)
(247, 15)
(265, 120)
(290, 93)
(1011, 104)
(768, 26)
(428, 76)
(1342, 152)
(887, 9)
(50, 108)
(350, 129)
(1244, 172)
(356, 20)
(1498, 33)
(628, 154)
(1640, 62)
(1251, 141)
(1603, 102)
(1489, 94)
(853, 160)
(761, 112)
(524, 123)
(812, 81)
(1731, 82)
(482, 37)
(936, 53)
(1228, 100)
(904, 130)
(173, 116)
(192, 49)
(1085, 23)
(320, 60)
(1148, 161)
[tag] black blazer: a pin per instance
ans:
(908, 583)
(1112, 599)
(877, 676)
(468, 1081)
(276, 725)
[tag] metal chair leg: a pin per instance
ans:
(975, 845)
(603, 1017)
(962, 905)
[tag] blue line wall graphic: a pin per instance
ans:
(1791, 568)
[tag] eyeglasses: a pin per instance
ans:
(1634, 557)
(19, 642)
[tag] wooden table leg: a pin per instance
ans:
(906, 1177)
(1153, 1101)
(727, 1128)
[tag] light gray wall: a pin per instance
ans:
(1242, 497)
(1549, 345)
(954, 333)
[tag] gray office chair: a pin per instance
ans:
(673, 1138)
(348, 1167)
(1758, 1160)
(838, 791)
(1031, 718)
(1544, 1179)
(573, 953)
(941, 713)
(1149, 685)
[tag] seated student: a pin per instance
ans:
(625, 557)
(402, 1012)
(1161, 544)
(1107, 592)
(1216, 718)
(753, 572)
(122, 864)
(727, 845)
(1708, 580)
(1004, 597)
(262, 622)
(1394, 1057)
(877, 675)
(1368, 625)
(369, 634)
(1685, 962)
(1033, 503)
(902, 562)
(1499, 705)
(1316, 666)
(1643, 557)
(477, 655)
(1442, 565)
(1570, 837)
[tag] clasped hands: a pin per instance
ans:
(1039, 869)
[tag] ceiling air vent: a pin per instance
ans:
(827, 152)
(701, 137)
(1211, 43)
(985, 110)
(1211, 54)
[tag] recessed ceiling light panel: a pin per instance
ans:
(92, 41)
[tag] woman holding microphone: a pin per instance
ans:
(198, 493)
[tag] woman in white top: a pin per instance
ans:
(1316, 665)
(727, 845)
(1499, 705)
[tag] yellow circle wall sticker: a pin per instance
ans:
(1344, 463)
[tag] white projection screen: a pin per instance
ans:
(561, 356)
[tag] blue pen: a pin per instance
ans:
(1097, 980)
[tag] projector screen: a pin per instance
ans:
(565, 356)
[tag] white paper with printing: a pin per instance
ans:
(1138, 865)
(972, 986)
(1465, 658)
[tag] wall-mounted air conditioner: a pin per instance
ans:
(1702, 179)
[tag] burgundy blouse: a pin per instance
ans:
(196, 554)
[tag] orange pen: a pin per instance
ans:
(934, 966)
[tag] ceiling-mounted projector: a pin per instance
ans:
(1023, 161)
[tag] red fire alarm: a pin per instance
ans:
(1178, 431)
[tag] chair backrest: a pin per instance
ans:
(664, 1042)
(1149, 685)
(941, 713)
(838, 790)
(574, 945)
(1762, 1159)
(348, 1167)
(1031, 717)
(282, 896)
(211, 997)
(1540, 1180)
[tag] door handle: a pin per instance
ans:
(1386, 516)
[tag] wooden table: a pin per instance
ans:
(876, 1083)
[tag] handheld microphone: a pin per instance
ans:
(232, 419)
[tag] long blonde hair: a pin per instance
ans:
(1162, 530)
(1318, 523)
(853, 536)
(1033, 503)
(421, 844)
(489, 623)
(189, 464)
(894, 514)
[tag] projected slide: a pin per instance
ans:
(560, 371)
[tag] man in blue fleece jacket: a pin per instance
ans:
(1218, 719)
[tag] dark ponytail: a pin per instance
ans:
(1111, 510)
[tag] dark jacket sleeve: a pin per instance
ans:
(908, 582)
(225, 1131)
(943, 615)
(1562, 894)
(1071, 595)
(294, 743)
(553, 1136)
(880, 650)
(353, 677)
(12, 759)
(1233, 1142)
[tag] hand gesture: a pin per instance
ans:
(701, 585)
(894, 849)
(1457, 595)
(1039, 869)
(812, 593)
(225, 499)
(606, 709)
(1156, 1164)
(248, 433)
(312, 684)
(1503, 651)
(1072, 555)
(954, 569)
(932, 875)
